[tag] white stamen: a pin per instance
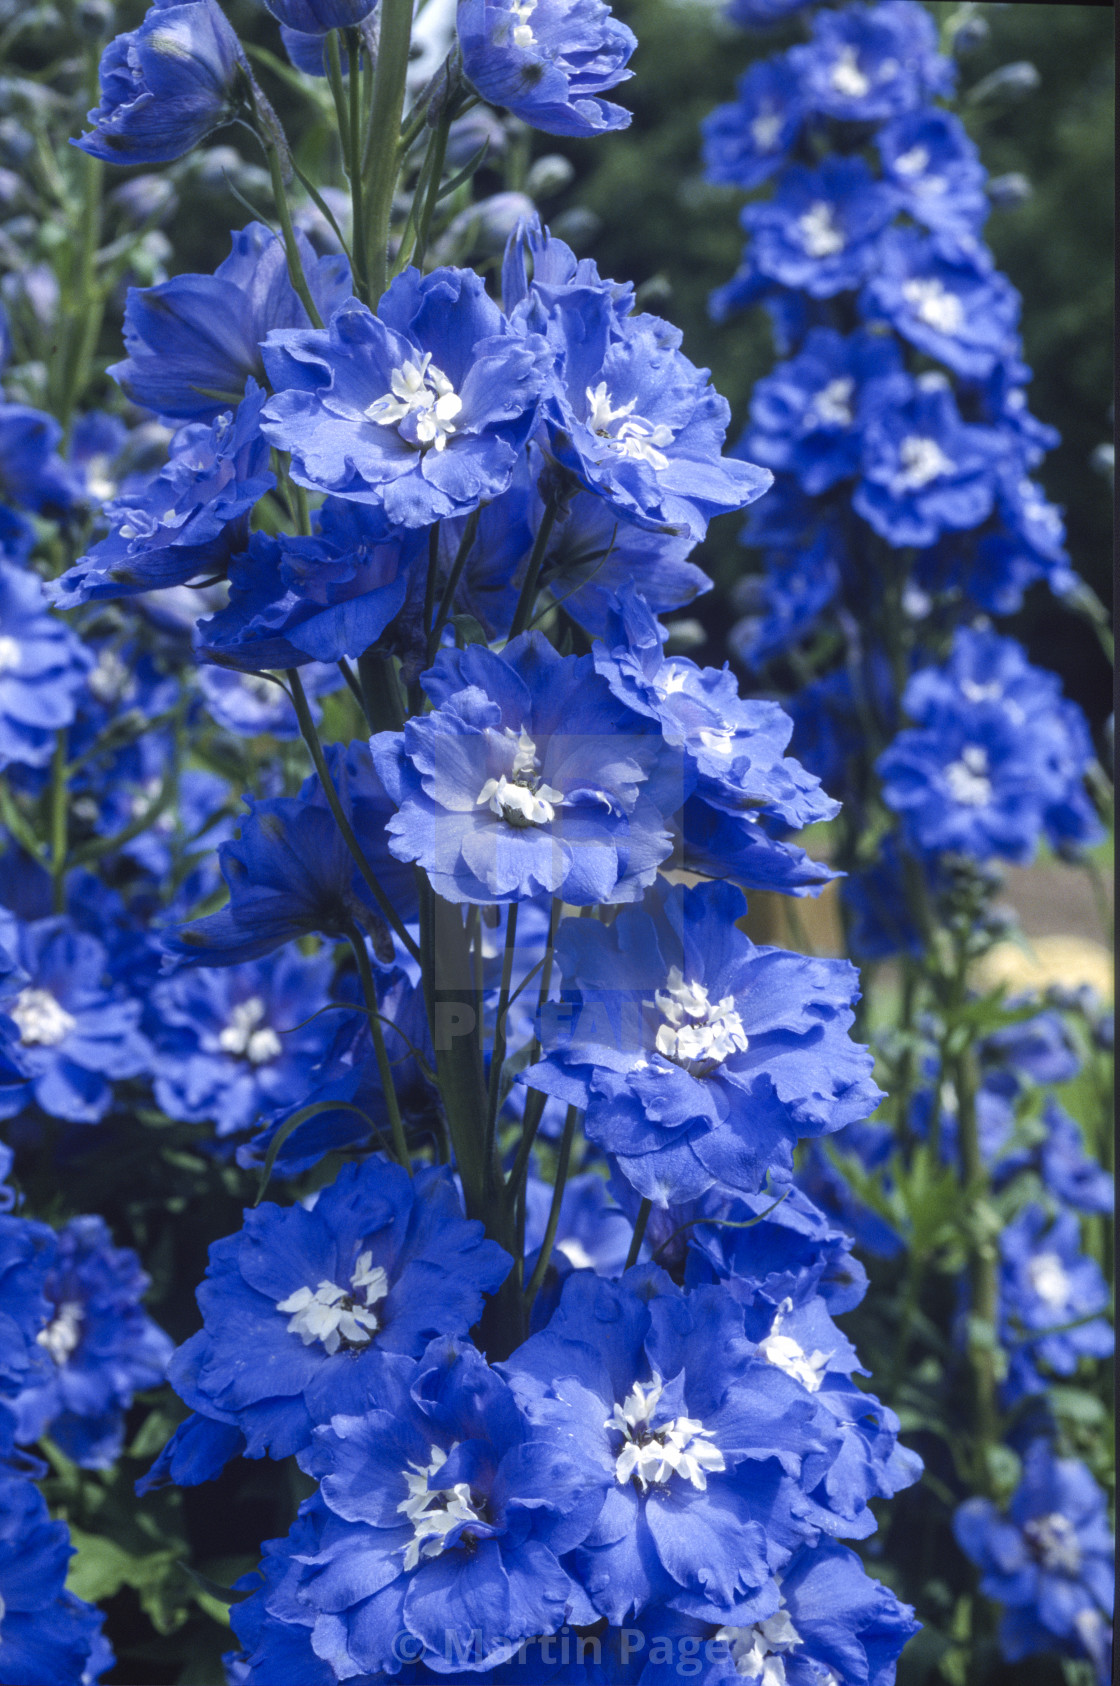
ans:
(912, 163)
(630, 435)
(757, 1651)
(10, 653)
(786, 1354)
(766, 128)
(42, 1021)
(433, 1515)
(246, 1037)
(922, 460)
(975, 692)
(1053, 1540)
(522, 800)
(931, 301)
(819, 234)
(847, 77)
(424, 398)
(109, 677)
(698, 1033)
(335, 1315)
(62, 1334)
(650, 1455)
(831, 406)
(1049, 1279)
(968, 779)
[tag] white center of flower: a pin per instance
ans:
(968, 779)
(246, 1036)
(422, 405)
(819, 234)
(912, 163)
(786, 1354)
(521, 33)
(757, 1651)
(41, 1020)
(62, 1334)
(336, 1315)
(1053, 1540)
(109, 677)
(931, 301)
(766, 128)
(651, 1455)
(1047, 1276)
(831, 406)
(576, 1253)
(976, 692)
(10, 653)
(697, 1033)
(521, 799)
(847, 77)
(922, 460)
(433, 1515)
(630, 435)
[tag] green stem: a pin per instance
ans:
(381, 693)
(498, 1053)
(535, 1103)
(384, 1069)
(447, 601)
(357, 194)
(384, 137)
(564, 1158)
(311, 739)
(291, 246)
(528, 597)
(437, 147)
(59, 839)
(639, 1235)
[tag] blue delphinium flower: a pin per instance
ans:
(248, 704)
(188, 520)
(547, 61)
(698, 1057)
(316, 17)
(1068, 1172)
(102, 1345)
(50, 1636)
(166, 85)
(27, 1251)
(949, 303)
(419, 410)
(804, 414)
(296, 600)
(32, 474)
(446, 1512)
(935, 170)
(43, 668)
(695, 1437)
(193, 342)
(997, 758)
(290, 872)
(75, 1036)
(745, 142)
(233, 1043)
(301, 1305)
(797, 588)
(1048, 1561)
(528, 776)
(867, 63)
(1047, 1283)
(820, 232)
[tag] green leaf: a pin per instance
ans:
(101, 1568)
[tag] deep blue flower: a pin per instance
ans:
(233, 1043)
(75, 1036)
(798, 587)
(695, 1436)
(1067, 1171)
(316, 17)
(166, 85)
(193, 342)
(547, 61)
(248, 704)
(528, 776)
(867, 63)
(290, 872)
(419, 410)
(27, 1251)
(698, 1057)
(761, 14)
(297, 600)
(1047, 1283)
(300, 1306)
(804, 414)
(32, 474)
(1049, 1561)
(102, 1345)
(947, 302)
(43, 668)
(188, 520)
(935, 169)
(924, 469)
(50, 1636)
(745, 142)
(820, 231)
(997, 758)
